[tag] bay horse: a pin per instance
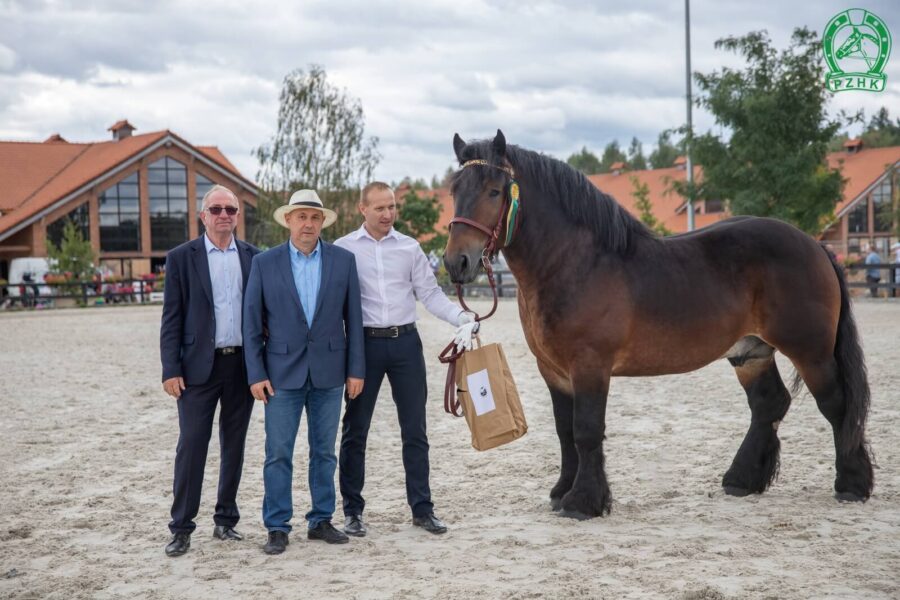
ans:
(600, 295)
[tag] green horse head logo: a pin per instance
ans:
(856, 45)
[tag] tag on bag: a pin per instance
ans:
(489, 398)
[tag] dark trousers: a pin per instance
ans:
(401, 360)
(873, 291)
(196, 409)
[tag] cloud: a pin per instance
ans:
(554, 75)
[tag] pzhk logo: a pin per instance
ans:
(856, 51)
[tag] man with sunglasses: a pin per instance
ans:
(203, 363)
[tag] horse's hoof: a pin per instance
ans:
(849, 497)
(736, 491)
(574, 514)
(555, 504)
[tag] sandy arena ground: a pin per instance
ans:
(88, 440)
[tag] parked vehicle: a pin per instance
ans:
(27, 274)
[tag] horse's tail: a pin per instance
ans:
(851, 370)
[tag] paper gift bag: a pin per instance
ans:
(487, 393)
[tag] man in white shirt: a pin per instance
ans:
(393, 273)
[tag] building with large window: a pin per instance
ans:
(134, 197)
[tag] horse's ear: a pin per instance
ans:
(499, 144)
(458, 146)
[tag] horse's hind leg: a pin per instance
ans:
(756, 464)
(854, 467)
(563, 413)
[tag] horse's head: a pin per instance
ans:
(850, 45)
(480, 197)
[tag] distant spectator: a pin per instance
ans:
(896, 249)
(873, 276)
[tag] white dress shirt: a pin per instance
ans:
(393, 272)
(227, 289)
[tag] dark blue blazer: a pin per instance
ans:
(187, 336)
(329, 352)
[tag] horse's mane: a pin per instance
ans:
(613, 228)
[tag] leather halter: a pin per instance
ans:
(449, 355)
(490, 248)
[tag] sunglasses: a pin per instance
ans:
(217, 210)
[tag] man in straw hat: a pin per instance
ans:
(394, 273)
(303, 340)
(202, 367)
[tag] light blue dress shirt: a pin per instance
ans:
(307, 272)
(227, 289)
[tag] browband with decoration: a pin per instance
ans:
(484, 163)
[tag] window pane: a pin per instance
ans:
(128, 205)
(133, 178)
(179, 190)
(158, 190)
(156, 176)
(159, 164)
(109, 204)
(857, 220)
(159, 206)
(178, 175)
(128, 190)
(881, 198)
(178, 204)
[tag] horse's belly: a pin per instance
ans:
(660, 355)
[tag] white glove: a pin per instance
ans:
(466, 331)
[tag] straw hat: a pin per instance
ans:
(304, 199)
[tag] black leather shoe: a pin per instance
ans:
(325, 531)
(353, 525)
(226, 532)
(278, 541)
(430, 523)
(181, 543)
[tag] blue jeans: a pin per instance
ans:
(323, 410)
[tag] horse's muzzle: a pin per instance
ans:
(462, 266)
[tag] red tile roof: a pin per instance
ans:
(861, 169)
(34, 176)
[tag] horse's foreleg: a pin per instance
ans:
(590, 495)
(563, 413)
(756, 464)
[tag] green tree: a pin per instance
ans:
(74, 255)
(666, 152)
(881, 131)
(642, 202)
(417, 217)
(585, 161)
(320, 144)
(636, 159)
(611, 155)
(774, 163)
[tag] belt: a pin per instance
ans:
(389, 332)
(228, 350)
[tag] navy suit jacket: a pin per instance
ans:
(187, 336)
(329, 351)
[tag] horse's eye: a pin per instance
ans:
(494, 193)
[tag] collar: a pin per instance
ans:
(210, 246)
(295, 250)
(362, 232)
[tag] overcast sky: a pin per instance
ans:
(555, 76)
